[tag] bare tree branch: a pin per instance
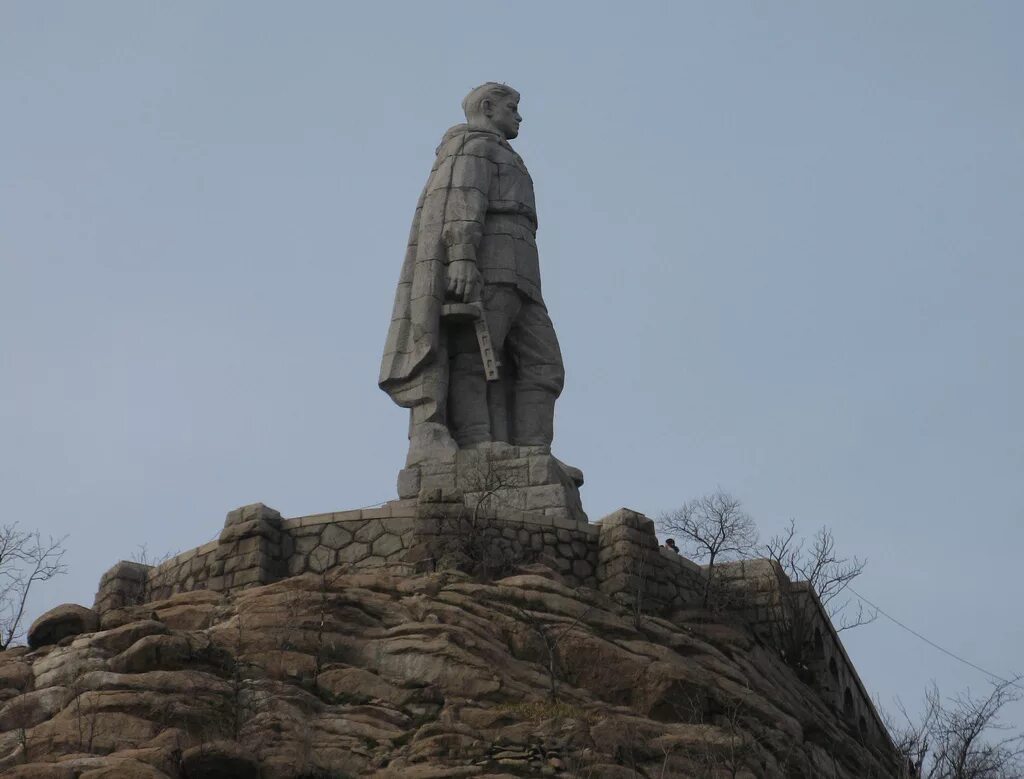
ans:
(712, 527)
(962, 737)
(25, 559)
(824, 570)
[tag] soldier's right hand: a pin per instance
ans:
(464, 281)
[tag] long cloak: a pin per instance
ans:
(411, 372)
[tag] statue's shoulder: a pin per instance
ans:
(463, 140)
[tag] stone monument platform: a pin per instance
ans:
(480, 532)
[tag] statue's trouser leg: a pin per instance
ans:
(469, 413)
(499, 401)
(540, 374)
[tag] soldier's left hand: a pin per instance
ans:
(464, 280)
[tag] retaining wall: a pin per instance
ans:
(449, 533)
(619, 555)
(772, 604)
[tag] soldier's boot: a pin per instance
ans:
(534, 417)
(432, 442)
(534, 423)
(429, 438)
(498, 404)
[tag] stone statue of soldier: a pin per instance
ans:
(473, 242)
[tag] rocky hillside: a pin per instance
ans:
(434, 675)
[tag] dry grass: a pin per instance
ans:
(545, 710)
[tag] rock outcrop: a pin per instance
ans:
(68, 619)
(419, 677)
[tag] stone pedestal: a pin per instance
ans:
(125, 584)
(636, 573)
(249, 549)
(519, 478)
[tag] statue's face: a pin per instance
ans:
(505, 116)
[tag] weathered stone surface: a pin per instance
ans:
(124, 584)
(430, 676)
(358, 685)
(545, 496)
(151, 653)
(120, 638)
(335, 536)
(252, 512)
(69, 619)
(581, 568)
(408, 482)
(32, 708)
(369, 532)
(321, 558)
(64, 664)
(15, 673)
(124, 769)
(353, 552)
(386, 544)
(41, 772)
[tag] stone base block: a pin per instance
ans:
(123, 585)
(502, 477)
(409, 482)
(251, 512)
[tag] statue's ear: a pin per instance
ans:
(487, 106)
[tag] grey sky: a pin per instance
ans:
(781, 244)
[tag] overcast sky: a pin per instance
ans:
(781, 244)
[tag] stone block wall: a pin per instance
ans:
(637, 573)
(454, 530)
(123, 585)
(184, 572)
(367, 538)
(521, 478)
(258, 546)
(620, 555)
(758, 587)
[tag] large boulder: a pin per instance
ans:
(15, 672)
(153, 653)
(118, 639)
(68, 619)
(32, 708)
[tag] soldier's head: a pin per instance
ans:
(494, 107)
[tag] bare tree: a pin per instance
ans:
(551, 636)
(469, 539)
(962, 737)
(143, 556)
(730, 746)
(828, 574)
(551, 632)
(715, 528)
(25, 559)
(815, 579)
